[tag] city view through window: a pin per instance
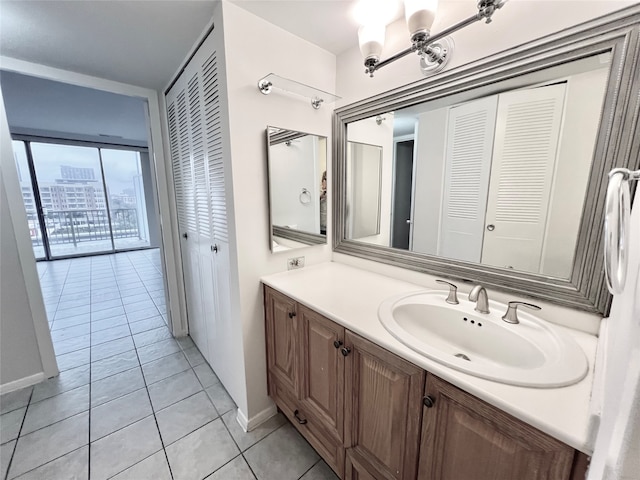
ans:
(82, 212)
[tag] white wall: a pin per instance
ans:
(26, 350)
(583, 104)
(19, 352)
(249, 114)
(369, 132)
(431, 134)
(618, 439)
(292, 168)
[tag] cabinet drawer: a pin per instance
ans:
(329, 448)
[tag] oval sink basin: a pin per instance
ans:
(531, 354)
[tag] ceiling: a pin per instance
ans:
(36, 106)
(144, 43)
(141, 43)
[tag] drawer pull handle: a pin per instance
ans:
(337, 343)
(292, 314)
(428, 401)
(345, 351)
(301, 421)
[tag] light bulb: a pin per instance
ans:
(420, 15)
(371, 39)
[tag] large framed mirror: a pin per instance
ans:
(297, 173)
(496, 172)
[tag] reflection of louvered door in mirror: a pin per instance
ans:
(526, 143)
(466, 179)
(193, 109)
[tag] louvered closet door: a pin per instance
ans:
(195, 127)
(526, 145)
(466, 179)
(219, 348)
(181, 130)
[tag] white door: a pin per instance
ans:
(218, 270)
(193, 111)
(525, 150)
(180, 135)
(466, 179)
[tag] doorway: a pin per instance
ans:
(85, 200)
(402, 193)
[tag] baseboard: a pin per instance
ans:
(22, 382)
(257, 420)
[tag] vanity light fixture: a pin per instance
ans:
(434, 50)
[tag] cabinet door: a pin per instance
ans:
(322, 370)
(282, 339)
(464, 437)
(355, 470)
(383, 395)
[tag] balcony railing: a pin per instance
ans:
(75, 226)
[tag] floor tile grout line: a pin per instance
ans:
(15, 447)
(123, 427)
(248, 464)
(137, 463)
(311, 467)
(48, 462)
(90, 382)
(55, 423)
(69, 270)
(153, 411)
(57, 395)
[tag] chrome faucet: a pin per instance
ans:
(479, 295)
(452, 298)
(512, 312)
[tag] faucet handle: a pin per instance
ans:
(453, 290)
(512, 311)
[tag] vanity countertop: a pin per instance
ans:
(351, 296)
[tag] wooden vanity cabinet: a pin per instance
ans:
(306, 373)
(372, 415)
(464, 437)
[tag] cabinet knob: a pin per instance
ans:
(345, 351)
(428, 401)
(292, 314)
(301, 421)
(337, 343)
(185, 235)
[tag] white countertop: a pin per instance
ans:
(351, 296)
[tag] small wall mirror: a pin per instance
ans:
(297, 166)
(494, 173)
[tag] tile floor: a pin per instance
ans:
(131, 402)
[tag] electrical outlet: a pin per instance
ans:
(296, 262)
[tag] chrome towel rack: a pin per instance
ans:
(305, 197)
(616, 227)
